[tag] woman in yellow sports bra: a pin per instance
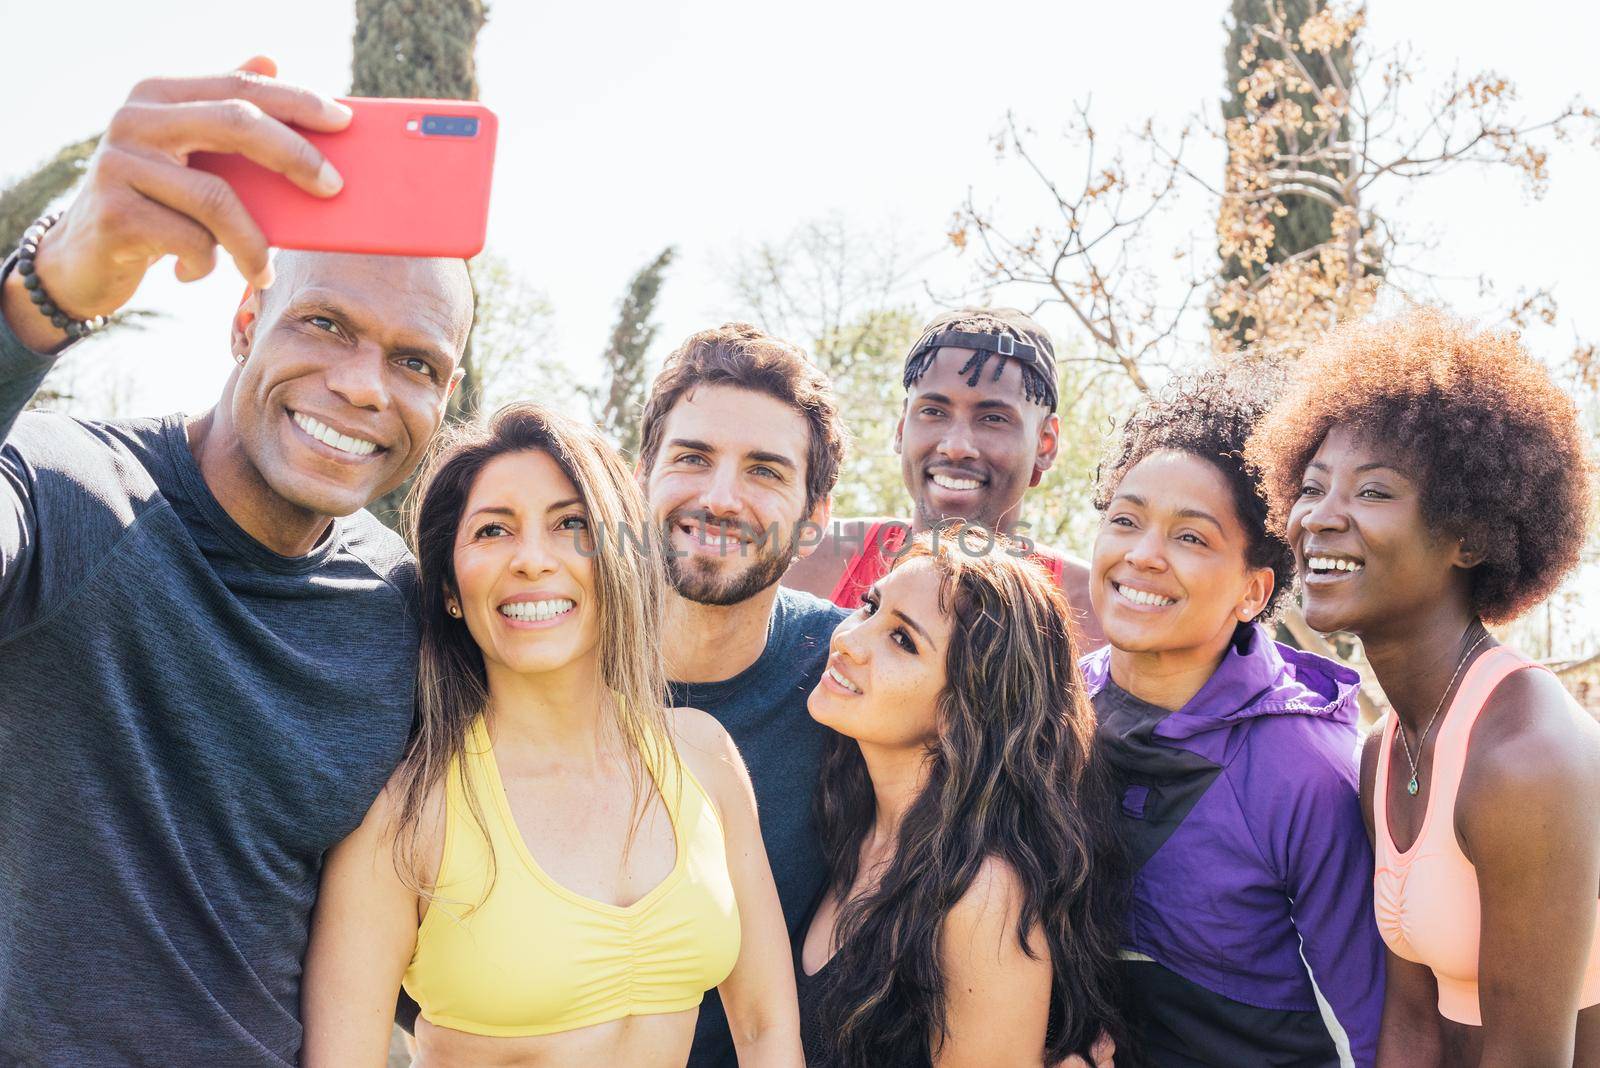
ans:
(561, 867)
(1432, 479)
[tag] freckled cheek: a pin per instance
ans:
(919, 715)
(909, 689)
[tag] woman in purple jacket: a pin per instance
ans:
(1250, 935)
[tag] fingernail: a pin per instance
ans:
(329, 180)
(339, 112)
(265, 279)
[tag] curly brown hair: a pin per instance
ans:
(1498, 451)
(1211, 415)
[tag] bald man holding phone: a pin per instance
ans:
(206, 644)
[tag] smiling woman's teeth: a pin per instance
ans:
(332, 438)
(1141, 597)
(536, 611)
(955, 483)
(1329, 563)
(842, 681)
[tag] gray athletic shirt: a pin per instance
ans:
(764, 711)
(188, 721)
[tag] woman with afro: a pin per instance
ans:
(1431, 479)
(1235, 757)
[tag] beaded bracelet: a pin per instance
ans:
(75, 328)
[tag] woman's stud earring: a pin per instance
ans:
(454, 611)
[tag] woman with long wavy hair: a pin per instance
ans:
(971, 913)
(561, 866)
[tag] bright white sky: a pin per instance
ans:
(626, 127)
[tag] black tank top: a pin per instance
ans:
(813, 1033)
(816, 1035)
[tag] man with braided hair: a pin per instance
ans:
(978, 429)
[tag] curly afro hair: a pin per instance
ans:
(1211, 415)
(1498, 449)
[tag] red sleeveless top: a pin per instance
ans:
(882, 547)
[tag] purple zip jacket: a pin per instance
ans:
(1253, 872)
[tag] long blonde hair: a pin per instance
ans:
(630, 593)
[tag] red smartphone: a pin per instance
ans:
(416, 182)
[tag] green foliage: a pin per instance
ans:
(21, 203)
(864, 357)
(1060, 510)
(511, 337)
(420, 48)
(627, 373)
(832, 289)
(837, 290)
(26, 199)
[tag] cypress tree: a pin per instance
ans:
(418, 48)
(624, 359)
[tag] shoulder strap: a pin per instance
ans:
(1383, 843)
(1450, 752)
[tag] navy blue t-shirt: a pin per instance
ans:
(188, 721)
(763, 709)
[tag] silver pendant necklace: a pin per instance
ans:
(1411, 787)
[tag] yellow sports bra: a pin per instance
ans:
(535, 958)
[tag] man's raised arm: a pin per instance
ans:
(140, 201)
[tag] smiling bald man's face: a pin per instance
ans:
(348, 364)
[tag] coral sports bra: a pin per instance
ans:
(534, 957)
(1426, 898)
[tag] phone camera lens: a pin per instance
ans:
(450, 125)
